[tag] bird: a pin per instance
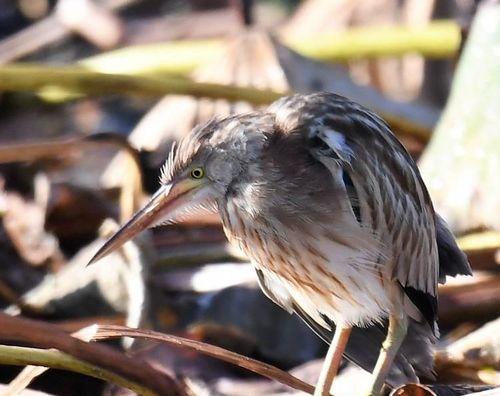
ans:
(333, 213)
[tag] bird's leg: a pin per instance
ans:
(332, 360)
(398, 326)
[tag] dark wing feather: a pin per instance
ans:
(426, 304)
(452, 261)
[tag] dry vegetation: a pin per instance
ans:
(91, 100)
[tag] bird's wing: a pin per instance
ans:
(384, 186)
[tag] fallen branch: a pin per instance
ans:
(103, 332)
(476, 299)
(30, 372)
(44, 335)
(56, 359)
(20, 356)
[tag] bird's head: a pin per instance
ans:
(198, 173)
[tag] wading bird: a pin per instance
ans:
(333, 213)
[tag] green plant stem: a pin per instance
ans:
(176, 57)
(22, 356)
(64, 82)
(480, 241)
(438, 39)
(60, 83)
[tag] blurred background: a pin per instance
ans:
(94, 93)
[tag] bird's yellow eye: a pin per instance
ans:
(197, 173)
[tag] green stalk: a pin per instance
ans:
(437, 39)
(22, 356)
(58, 83)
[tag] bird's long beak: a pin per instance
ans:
(164, 202)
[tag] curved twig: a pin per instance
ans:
(112, 331)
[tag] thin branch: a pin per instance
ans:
(264, 369)
(101, 332)
(20, 356)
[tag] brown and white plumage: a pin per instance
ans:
(333, 213)
(351, 177)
